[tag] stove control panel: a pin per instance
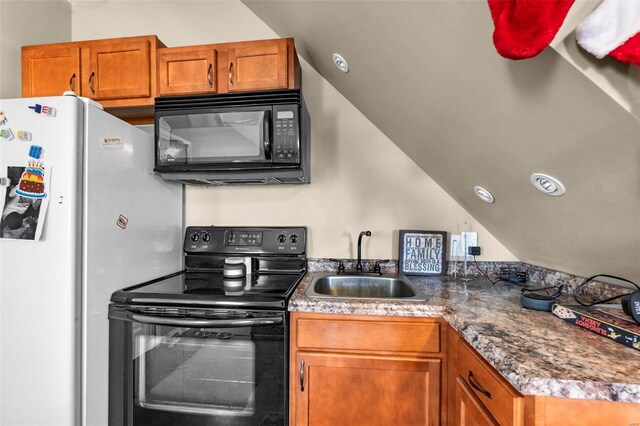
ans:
(246, 240)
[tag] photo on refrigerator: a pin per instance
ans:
(22, 217)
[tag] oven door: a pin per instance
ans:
(198, 367)
(214, 139)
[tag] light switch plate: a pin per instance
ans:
(455, 247)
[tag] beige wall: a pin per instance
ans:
(360, 179)
(24, 23)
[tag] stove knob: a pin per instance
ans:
(206, 237)
(194, 237)
(282, 239)
(294, 239)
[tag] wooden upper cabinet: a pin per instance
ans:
(187, 70)
(50, 70)
(259, 65)
(119, 71)
(126, 74)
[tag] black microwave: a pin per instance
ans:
(236, 138)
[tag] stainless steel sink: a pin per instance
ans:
(386, 286)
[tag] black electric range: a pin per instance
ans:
(200, 348)
(275, 260)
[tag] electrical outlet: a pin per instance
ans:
(469, 239)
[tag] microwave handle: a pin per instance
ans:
(267, 134)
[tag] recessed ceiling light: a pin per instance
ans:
(340, 62)
(547, 184)
(483, 194)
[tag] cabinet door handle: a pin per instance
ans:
(71, 81)
(231, 74)
(478, 387)
(302, 375)
(93, 74)
(209, 78)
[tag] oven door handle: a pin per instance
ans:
(202, 323)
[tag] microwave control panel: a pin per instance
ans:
(286, 134)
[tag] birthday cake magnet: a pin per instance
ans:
(31, 183)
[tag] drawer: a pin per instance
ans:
(408, 336)
(501, 400)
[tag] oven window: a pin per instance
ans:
(220, 137)
(198, 376)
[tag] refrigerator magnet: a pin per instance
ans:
(3, 118)
(6, 134)
(23, 216)
(23, 135)
(44, 110)
(32, 182)
(112, 143)
(122, 222)
(36, 151)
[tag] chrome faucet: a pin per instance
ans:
(359, 263)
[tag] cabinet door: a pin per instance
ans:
(187, 72)
(333, 389)
(258, 66)
(119, 71)
(50, 70)
(470, 411)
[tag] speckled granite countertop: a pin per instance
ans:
(538, 353)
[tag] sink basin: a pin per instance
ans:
(386, 286)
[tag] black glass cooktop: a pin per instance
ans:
(212, 289)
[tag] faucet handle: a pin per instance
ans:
(340, 265)
(376, 267)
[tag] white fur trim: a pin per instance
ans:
(609, 26)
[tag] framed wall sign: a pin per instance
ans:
(422, 253)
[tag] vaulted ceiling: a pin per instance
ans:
(427, 75)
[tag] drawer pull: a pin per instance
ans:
(302, 375)
(477, 387)
(93, 74)
(71, 81)
(231, 74)
(209, 79)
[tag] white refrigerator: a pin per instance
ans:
(110, 222)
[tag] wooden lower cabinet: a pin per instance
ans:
(549, 411)
(366, 370)
(340, 389)
(386, 370)
(470, 411)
